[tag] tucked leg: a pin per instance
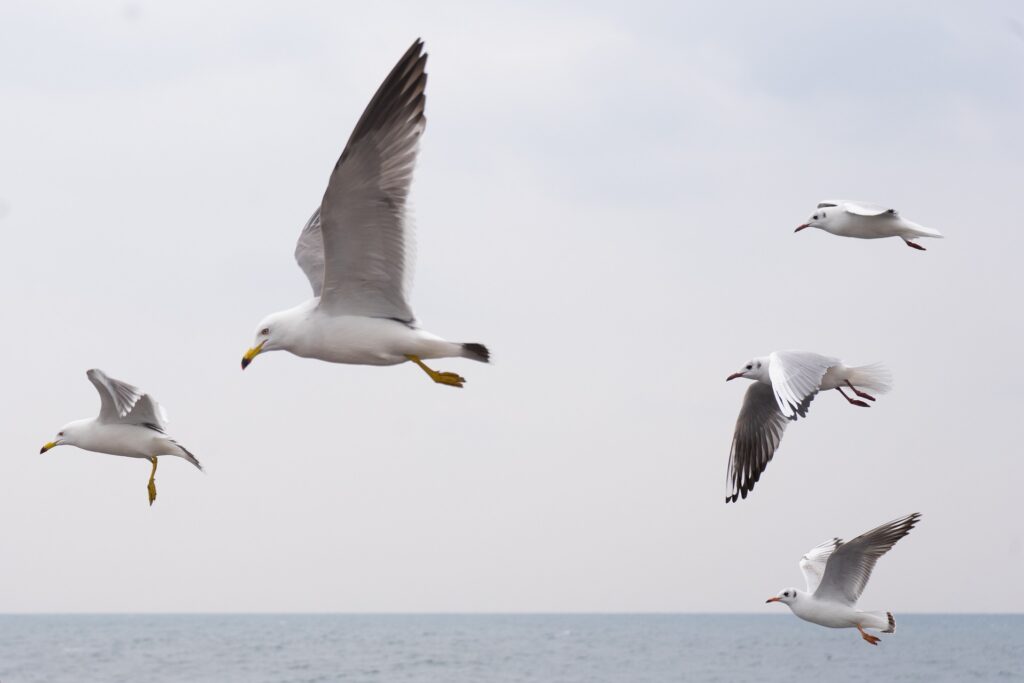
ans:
(152, 481)
(447, 378)
(868, 637)
(862, 394)
(854, 401)
(914, 245)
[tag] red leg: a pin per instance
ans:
(862, 394)
(868, 637)
(914, 245)
(854, 401)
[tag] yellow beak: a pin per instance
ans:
(47, 446)
(252, 353)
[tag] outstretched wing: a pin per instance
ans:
(363, 213)
(796, 378)
(848, 569)
(755, 439)
(121, 402)
(309, 252)
(813, 563)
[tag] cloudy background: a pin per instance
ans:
(606, 197)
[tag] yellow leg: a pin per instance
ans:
(152, 481)
(447, 378)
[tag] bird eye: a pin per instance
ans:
(749, 366)
(265, 331)
(814, 217)
(60, 433)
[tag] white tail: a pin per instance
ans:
(875, 377)
(881, 620)
(926, 232)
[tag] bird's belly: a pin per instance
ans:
(828, 615)
(868, 228)
(356, 340)
(130, 441)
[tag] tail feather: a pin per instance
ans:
(875, 377)
(881, 620)
(187, 455)
(926, 232)
(476, 352)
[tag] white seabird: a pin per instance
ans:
(785, 383)
(848, 218)
(836, 574)
(354, 249)
(131, 424)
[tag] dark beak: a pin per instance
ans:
(801, 227)
(245, 362)
(733, 376)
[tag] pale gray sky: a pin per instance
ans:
(606, 196)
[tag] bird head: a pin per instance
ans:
(787, 596)
(755, 368)
(68, 435)
(819, 219)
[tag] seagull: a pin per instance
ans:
(785, 383)
(836, 574)
(354, 248)
(848, 218)
(131, 423)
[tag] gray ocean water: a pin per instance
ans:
(483, 648)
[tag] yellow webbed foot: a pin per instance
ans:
(450, 379)
(151, 487)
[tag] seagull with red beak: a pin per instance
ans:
(836, 574)
(848, 218)
(784, 384)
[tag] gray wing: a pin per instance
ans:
(796, 377)
(849, 567)
(363, 213)
(755, 439)
(309, 252)
(121, 402)
(858, 208)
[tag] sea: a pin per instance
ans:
(304, 648)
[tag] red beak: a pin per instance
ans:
(801, 227)
(733, 376)
(771, 600)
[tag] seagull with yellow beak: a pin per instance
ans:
(131, 424)
(354, 249)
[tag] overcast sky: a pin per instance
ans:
(605, 196)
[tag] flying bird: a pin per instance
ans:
(848, 218)
(836, 574)
(785, 383)
(355, 248)
(131, 423)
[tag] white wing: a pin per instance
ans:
(309, 252)
(813, 563)
(755, 439)
(363, 213)
(123, 403)
(796, 378)
(848, 569)
(857, 208)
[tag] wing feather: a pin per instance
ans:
(796, 377)
(363, 220)
(813, 563)
(849, 567)
(756, 437)
(123, 403)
